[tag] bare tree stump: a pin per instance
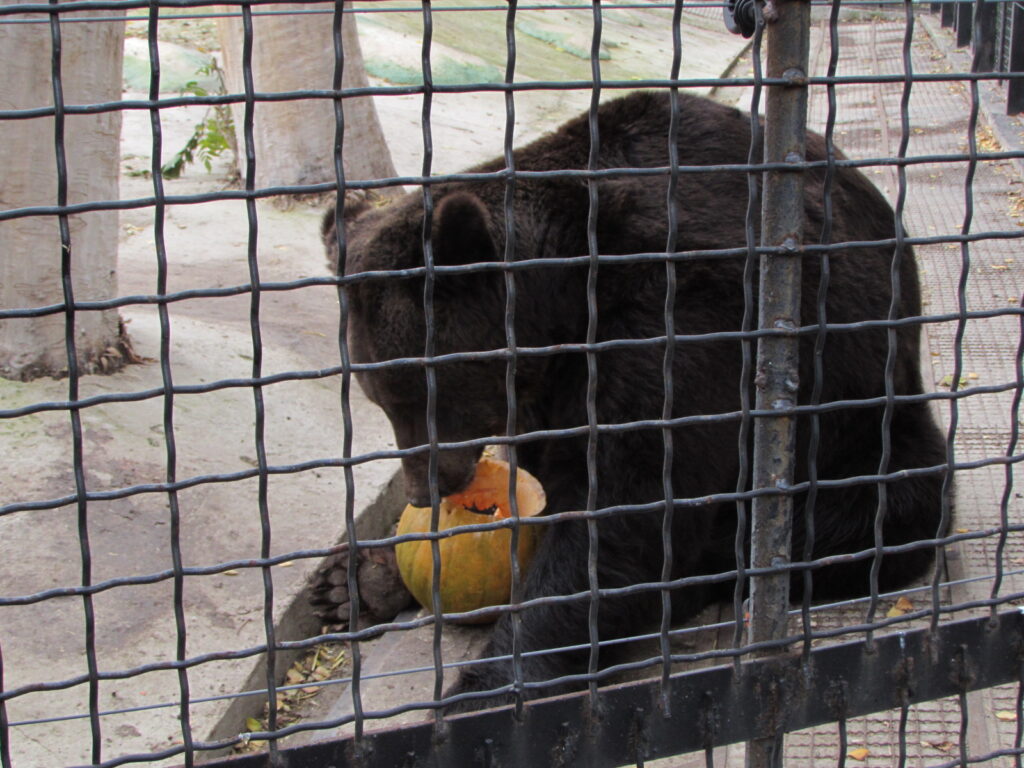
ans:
(30, 247)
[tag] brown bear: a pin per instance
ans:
(552, 283)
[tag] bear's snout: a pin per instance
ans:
(455, 470)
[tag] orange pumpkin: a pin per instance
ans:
(475, 566)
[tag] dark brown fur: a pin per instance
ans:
(550, 214)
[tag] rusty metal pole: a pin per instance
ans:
(777, 377)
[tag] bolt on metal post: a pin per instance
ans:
(777, 377)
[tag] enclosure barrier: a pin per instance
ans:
(995, 33)
(778, 671)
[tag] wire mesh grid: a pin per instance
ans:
(79, 520)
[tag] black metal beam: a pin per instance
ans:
(709, 707)
(964, 19)
(948, 14)
(1015, 88)
(983, 42)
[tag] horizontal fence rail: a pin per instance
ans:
(628, 724)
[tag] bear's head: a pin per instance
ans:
(387, 326)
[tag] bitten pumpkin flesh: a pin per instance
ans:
(475, 566)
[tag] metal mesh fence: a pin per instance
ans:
(159, 525)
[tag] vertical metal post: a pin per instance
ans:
(948, 13)
(777, 377)
(999, 62)
(964, 26)
(984, 40)
(1015, 88)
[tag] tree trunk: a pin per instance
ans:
(30, 247)
(294, 140)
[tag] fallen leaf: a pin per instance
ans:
(942, 746)
(900, 607)
(253, 724)
(858, 754)
(1006, 715)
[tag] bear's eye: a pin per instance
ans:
(488, 511)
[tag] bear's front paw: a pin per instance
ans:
(382, 594)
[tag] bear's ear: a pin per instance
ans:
(357, 202)
(462, 230)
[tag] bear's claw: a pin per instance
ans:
(382, 594)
